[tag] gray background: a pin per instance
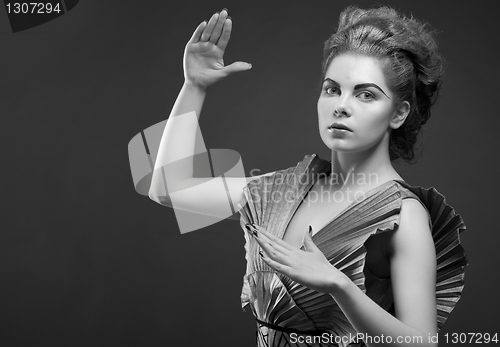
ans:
(86, 261)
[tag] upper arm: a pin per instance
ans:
(212, 196)
(413, 269)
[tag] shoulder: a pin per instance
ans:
(413, 233)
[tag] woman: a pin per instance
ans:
(340, 252)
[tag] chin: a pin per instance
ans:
(340, 146)
(337, 144)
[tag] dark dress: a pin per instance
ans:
(289, 314)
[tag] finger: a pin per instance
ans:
(236, 67)
(210, 27)
(264, 244)
(197, 33)
(279, 248)
(273, 238)
(284, 269)
(273, 250)
(218, 27)
(309, 245)
(275, 245)
(226, 34)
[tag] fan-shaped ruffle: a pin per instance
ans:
(271, 201)
(451, 258)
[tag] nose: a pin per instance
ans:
(342, 108)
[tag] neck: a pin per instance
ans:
(370, 167)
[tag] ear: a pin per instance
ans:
(400, 113)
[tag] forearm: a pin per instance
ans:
(190, 98)
(178, 141)
(370, 319)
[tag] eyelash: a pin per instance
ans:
(372, 97)
(327, 88)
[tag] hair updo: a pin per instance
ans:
(410, 61)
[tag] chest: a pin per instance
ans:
(318, 209)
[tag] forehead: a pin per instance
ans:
(356, 68)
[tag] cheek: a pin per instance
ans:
(373, 123)
(323, 107)
(380, 115)
(322, 111)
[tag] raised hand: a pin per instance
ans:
(203, 55)
(308, 267)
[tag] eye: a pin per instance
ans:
(331, 90)
(366, 96)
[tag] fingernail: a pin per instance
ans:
(255, 233)
(247, 226)
(225, 9)
(253, 225)
(261, 254)
(228, 17)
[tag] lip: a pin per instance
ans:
(339, 126)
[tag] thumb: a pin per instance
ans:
(308, 242)
(236, 67)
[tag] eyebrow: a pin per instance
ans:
(358, 86)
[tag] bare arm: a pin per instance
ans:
(173, 171)
(177, 144)
(413, 276)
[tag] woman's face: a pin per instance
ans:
(355, 95)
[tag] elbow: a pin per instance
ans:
(162, 200)
(153, 197)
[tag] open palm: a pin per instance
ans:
(203, 55)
